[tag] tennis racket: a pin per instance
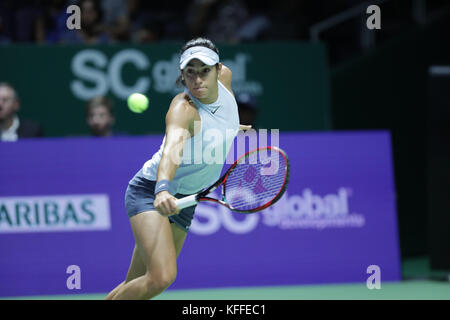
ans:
(254, 182)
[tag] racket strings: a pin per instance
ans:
(248, 188)
(245, 199)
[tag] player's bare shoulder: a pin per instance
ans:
(226, 76)
(182, 103)
(182, 111)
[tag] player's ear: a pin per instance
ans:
(181, 75)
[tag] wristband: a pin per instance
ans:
(162, 185)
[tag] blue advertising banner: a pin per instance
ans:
(62, 208)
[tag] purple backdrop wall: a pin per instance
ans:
(61, 204)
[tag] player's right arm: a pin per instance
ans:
(179, 123)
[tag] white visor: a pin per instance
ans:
(205, 55)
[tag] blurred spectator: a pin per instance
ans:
(26, 14)
(116, 20)
(100, 116)
(153, 21)
(149, 31)
(6, 22)
(150, 21)
(248, 108)
(226, 21)
(51, 25)
(92, 30)
(4, 39)
(113, 10)
(290, 19)
(13, 128)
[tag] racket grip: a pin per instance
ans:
(185, 202)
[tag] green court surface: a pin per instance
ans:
(420, 283)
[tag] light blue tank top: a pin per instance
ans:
(204, 154)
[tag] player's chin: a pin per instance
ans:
(200, 93)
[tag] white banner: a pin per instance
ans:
(81, 212)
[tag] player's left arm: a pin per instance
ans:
(226, 77)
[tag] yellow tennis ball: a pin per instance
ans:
(137, 102)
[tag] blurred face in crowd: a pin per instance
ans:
(9, 105)
(201, 80)
(100, 120)
(89, 14)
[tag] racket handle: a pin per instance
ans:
(185, 202)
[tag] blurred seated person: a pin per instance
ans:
(100, 117)
(151, 30)
(12, 127)
(4, 39)
(51, 25)
(116, 18)
(91, 31)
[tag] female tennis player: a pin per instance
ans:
(175, 171)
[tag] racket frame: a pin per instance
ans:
(201, 196)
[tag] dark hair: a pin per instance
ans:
(99, 101)
(204, 42)
(97, 7)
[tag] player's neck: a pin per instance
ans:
(212, 97)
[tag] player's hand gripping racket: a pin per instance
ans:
(254, 182)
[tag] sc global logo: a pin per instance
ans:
(96, 73)
(209, 219)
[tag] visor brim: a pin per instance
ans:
(205, 59)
